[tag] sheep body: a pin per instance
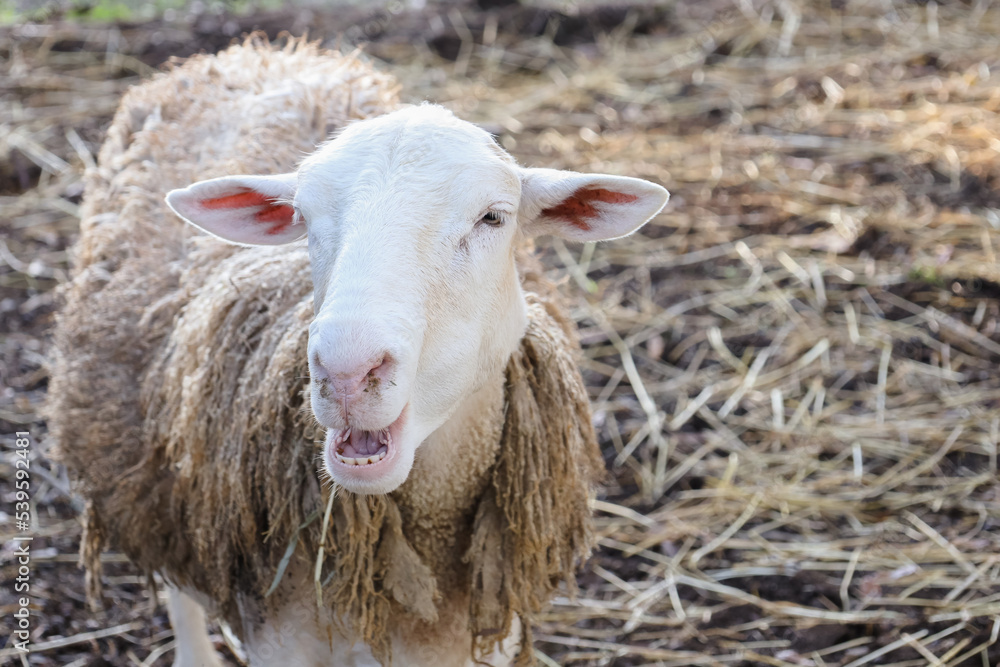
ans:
(178, 395)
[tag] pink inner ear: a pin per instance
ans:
(578, 208)
(278, 216)
(239, 200)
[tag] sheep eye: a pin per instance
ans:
(492, 218)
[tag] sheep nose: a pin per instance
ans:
(348, 381)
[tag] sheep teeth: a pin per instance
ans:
(351, 461)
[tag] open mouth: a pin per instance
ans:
(358, 450)
(354, 447)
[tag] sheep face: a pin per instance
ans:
(412, 221)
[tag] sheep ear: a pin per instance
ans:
(249, 210)
(586, 207)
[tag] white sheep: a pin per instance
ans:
(452, 419)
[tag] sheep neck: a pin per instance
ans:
(450, 474)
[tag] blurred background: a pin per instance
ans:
(794, 367)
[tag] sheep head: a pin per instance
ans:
(411, 220)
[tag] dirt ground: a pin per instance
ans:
(793, 367)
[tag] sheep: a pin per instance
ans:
(346, 420)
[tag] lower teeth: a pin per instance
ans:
(384, 439)
(374, 458)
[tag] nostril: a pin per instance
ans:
(382, 366)
(379, 372)
(318, 368)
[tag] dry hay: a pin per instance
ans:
(794, 368)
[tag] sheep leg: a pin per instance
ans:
(194, 648)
